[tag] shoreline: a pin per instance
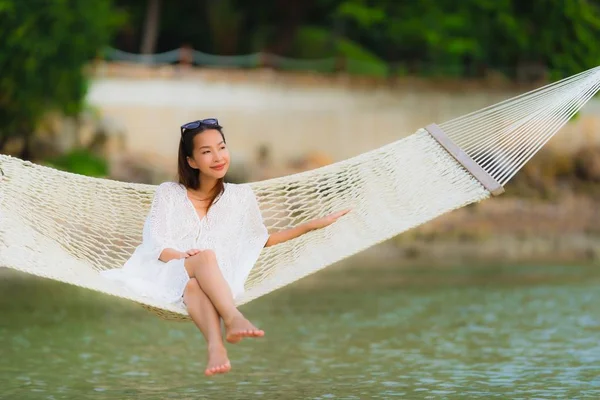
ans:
(506, 230)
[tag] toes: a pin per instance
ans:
(236, 336)
(224, 368)
(217, 370)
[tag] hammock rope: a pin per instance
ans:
(68, 227)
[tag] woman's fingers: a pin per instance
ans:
(192, 252)
(344, 212)
(331, 218)
(339, 214)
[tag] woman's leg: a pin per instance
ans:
(205, 317)
(203, 266)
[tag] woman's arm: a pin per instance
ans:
(288, 234)
(292, 233)
(171, 254)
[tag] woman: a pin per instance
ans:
(201, 239)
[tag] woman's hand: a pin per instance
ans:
(292, 233)
(169, 254)
(327, 220)
(190, 253)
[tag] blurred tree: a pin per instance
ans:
(44, 47)
(471, 36)
(224, 21)
(151, 27)
(290, 16)
(521, 39)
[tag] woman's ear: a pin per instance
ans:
(191, 162)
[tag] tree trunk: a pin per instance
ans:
(291, 16)
(26, 149)
(224, 22)
(151, 25)
(3, 141)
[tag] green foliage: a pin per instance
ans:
(44, 47)
(315, 43)
(467, 36)
(429, 37)
(363, 14)
(81, 162)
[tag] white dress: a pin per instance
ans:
(233, 229)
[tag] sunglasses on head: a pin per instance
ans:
(199, 123)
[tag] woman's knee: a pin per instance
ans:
(202, 258)
(192, 289)
(208, 254)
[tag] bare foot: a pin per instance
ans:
(218, 363)
(239, 327)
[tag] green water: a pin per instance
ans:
(430, 333)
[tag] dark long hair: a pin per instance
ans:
(188, 176)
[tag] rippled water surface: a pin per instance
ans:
(431, 333)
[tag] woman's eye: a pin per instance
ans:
(206, 152)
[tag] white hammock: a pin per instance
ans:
(68, 227)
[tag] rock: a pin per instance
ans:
(139, 169)
(108, 138)
(587, 164)
(310, 161)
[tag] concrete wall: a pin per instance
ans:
(293, 118)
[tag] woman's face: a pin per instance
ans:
(210, 154)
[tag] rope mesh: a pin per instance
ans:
(68, 227)
(503, 137)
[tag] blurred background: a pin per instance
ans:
(499, 298)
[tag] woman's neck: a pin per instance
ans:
(207, 185)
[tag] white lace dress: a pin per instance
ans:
(233, 229)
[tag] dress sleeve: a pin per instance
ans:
(252, 238)
(256, 231)
(157, 233)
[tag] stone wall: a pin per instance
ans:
(329, 118)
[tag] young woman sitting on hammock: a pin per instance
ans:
(201, 238)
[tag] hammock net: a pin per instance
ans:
(69, 227)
